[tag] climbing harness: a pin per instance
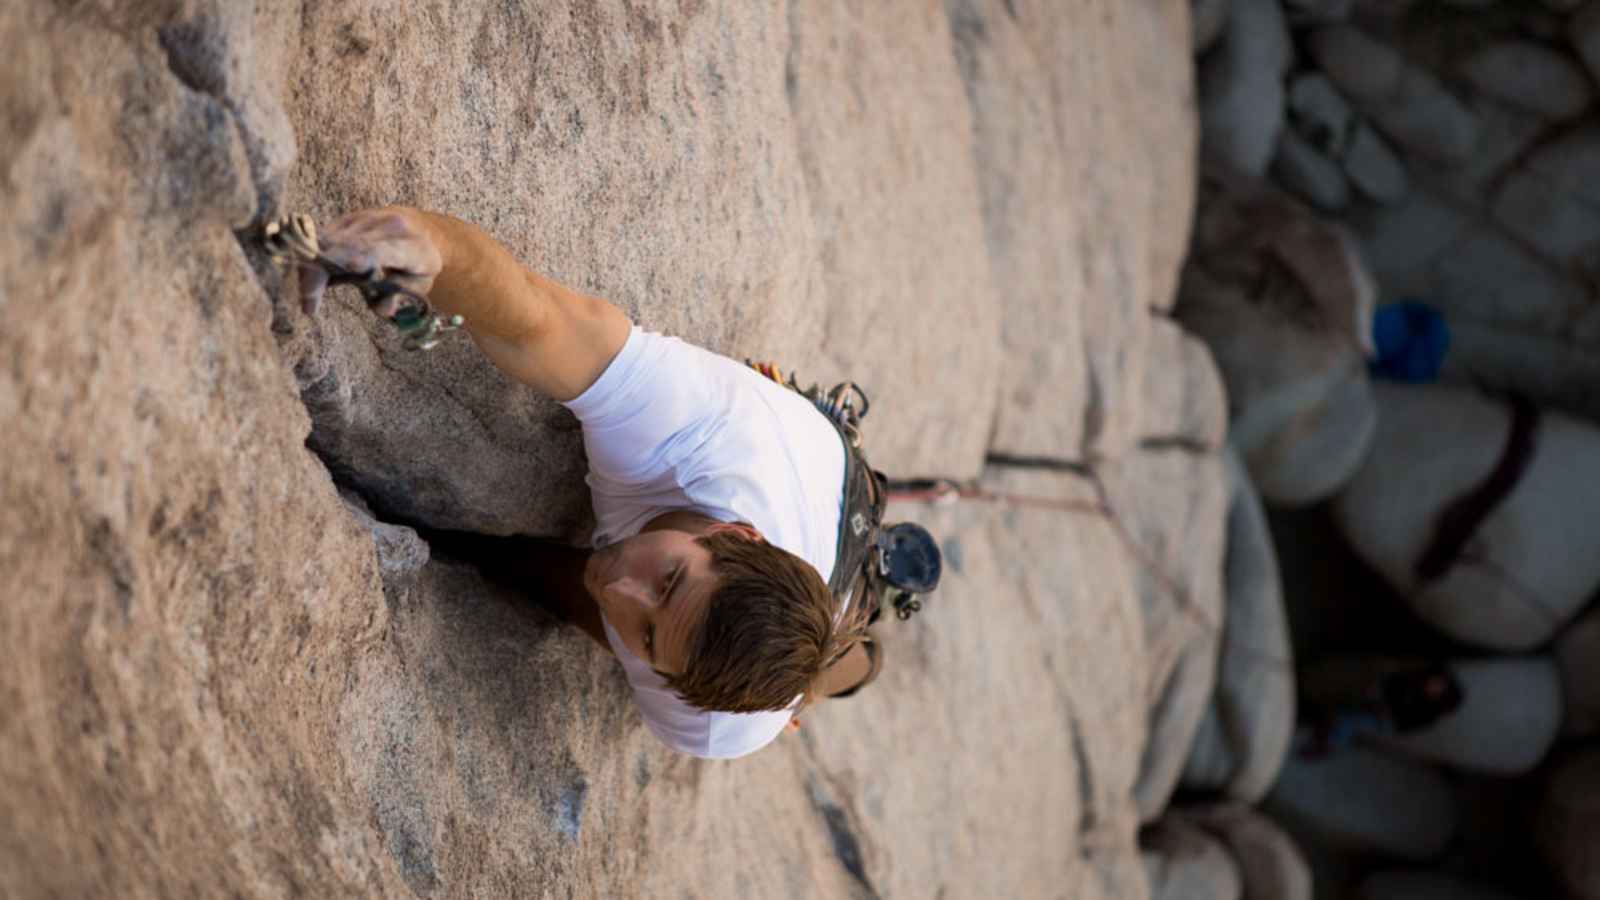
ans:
(293, 239)
(878, 566)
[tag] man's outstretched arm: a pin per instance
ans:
(546, 336)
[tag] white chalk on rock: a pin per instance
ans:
(1531, 563)
(1375, 168)
(1406, 101)
(1530, 75)
(1309, 174)
(1362, 800)
(1510, 715)
(1241, 86)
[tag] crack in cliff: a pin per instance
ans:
(823, 787)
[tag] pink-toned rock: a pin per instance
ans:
(222, 677)
(1245, 733)
(1171, 505)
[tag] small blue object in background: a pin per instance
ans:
(1411, 338)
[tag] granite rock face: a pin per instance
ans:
(231, 664)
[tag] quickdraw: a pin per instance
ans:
(293, 239)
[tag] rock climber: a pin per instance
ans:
(718, 492)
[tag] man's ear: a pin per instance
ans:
(742, 529)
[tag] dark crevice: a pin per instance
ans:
(846, 846)
(1179, 442)
(1046, 463)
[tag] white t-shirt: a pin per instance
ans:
(670, 426)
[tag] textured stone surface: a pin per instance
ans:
(1423, 885)
(1509, 717)
(1530, 75)
(1406, 101)
(1303, 169)
(1363, 800)
(1246, 730)
(1270, 865)
(1285, 304)
(1568, 814)
(1185, 862)
(222, 675)
(1530, 565)
(1112, 126)
(1171, 504)
(1578, 654)
(1241, 87)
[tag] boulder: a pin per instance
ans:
(1270, 865)
(1544, 216)
(1567, 819)
(1490, 278)
(1374, 168)
(1302, 13)
(1509, 717)
(1570, 164)
(1245, 733)
(1169, 503)
(1584, 32)
(1504, 574)
(1208, 18)
(1320, 114)
(1507, 137)
(1366, 801)
(1425, 885)
(1578, 655)
(1285, 304)
(1406, 101)
(1183, 861)
(1402, 243)
(1241, 87)
(1314, 177)
(1557, 372)
(1530, 75)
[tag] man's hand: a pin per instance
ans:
(392, 243)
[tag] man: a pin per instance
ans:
(717, 492)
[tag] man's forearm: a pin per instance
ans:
(482, 282)
(539, 332)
